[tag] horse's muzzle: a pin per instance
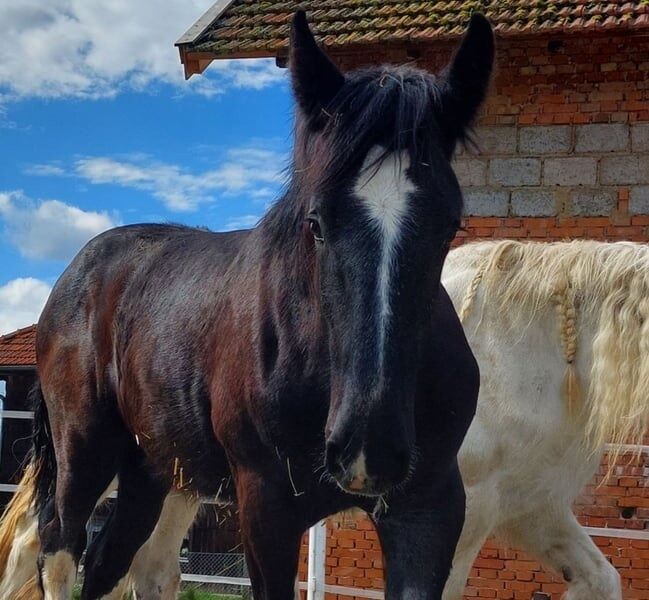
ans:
(365, 470)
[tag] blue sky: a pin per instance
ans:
(99, 128)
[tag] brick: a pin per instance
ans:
(534, 203)
(515, 171)
(470, 171)
(640, 137)
(593, 202)
(545, 139)
(604, 137)
(570, 171)
(486, 202)
(639, 202)
(625, 169)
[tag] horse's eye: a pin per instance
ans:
(314, 226)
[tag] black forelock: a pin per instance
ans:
(396, 107)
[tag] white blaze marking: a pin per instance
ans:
(358, 472)
(384, 189)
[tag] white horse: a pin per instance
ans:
(561, 333)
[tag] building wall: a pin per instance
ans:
(558, 181)
(563, 141)
(562, 152)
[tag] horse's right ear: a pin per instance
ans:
(466, 80)
(316, 80)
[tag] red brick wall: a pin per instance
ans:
(623, 227)
(540, 80)
(584, 79)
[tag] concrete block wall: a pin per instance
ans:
(593, 170)
(555, 182)
(555, 170)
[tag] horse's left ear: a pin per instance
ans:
(466, 80)
(316, 80)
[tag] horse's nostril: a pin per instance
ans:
(333, 460)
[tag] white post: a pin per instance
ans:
(317, 556)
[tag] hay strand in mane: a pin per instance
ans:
(597, 284)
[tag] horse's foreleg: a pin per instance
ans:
(419, 532)
(478, 525)
(558, 541)
(271, 530)
(155, 573)
(62, 522)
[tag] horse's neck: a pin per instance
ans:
(280, 270)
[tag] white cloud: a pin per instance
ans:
(50, 228)
(44, 170)
(242, 222)
(21, 302)
(255, 73)
(94, 48)
(252, 170)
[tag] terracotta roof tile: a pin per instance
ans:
(19, 347)
(261, 27)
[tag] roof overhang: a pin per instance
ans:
(195, 63)
(15, 368)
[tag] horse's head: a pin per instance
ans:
(373, 150)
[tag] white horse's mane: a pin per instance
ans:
(604, 283)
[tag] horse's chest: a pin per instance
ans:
(278, 413)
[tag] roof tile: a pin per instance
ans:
(19, 347)
(253, 26)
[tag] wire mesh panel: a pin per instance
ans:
(218, 576)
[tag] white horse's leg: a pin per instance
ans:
(557, 540)
(155, 573)
(478, 524)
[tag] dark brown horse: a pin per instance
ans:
(311, 364)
